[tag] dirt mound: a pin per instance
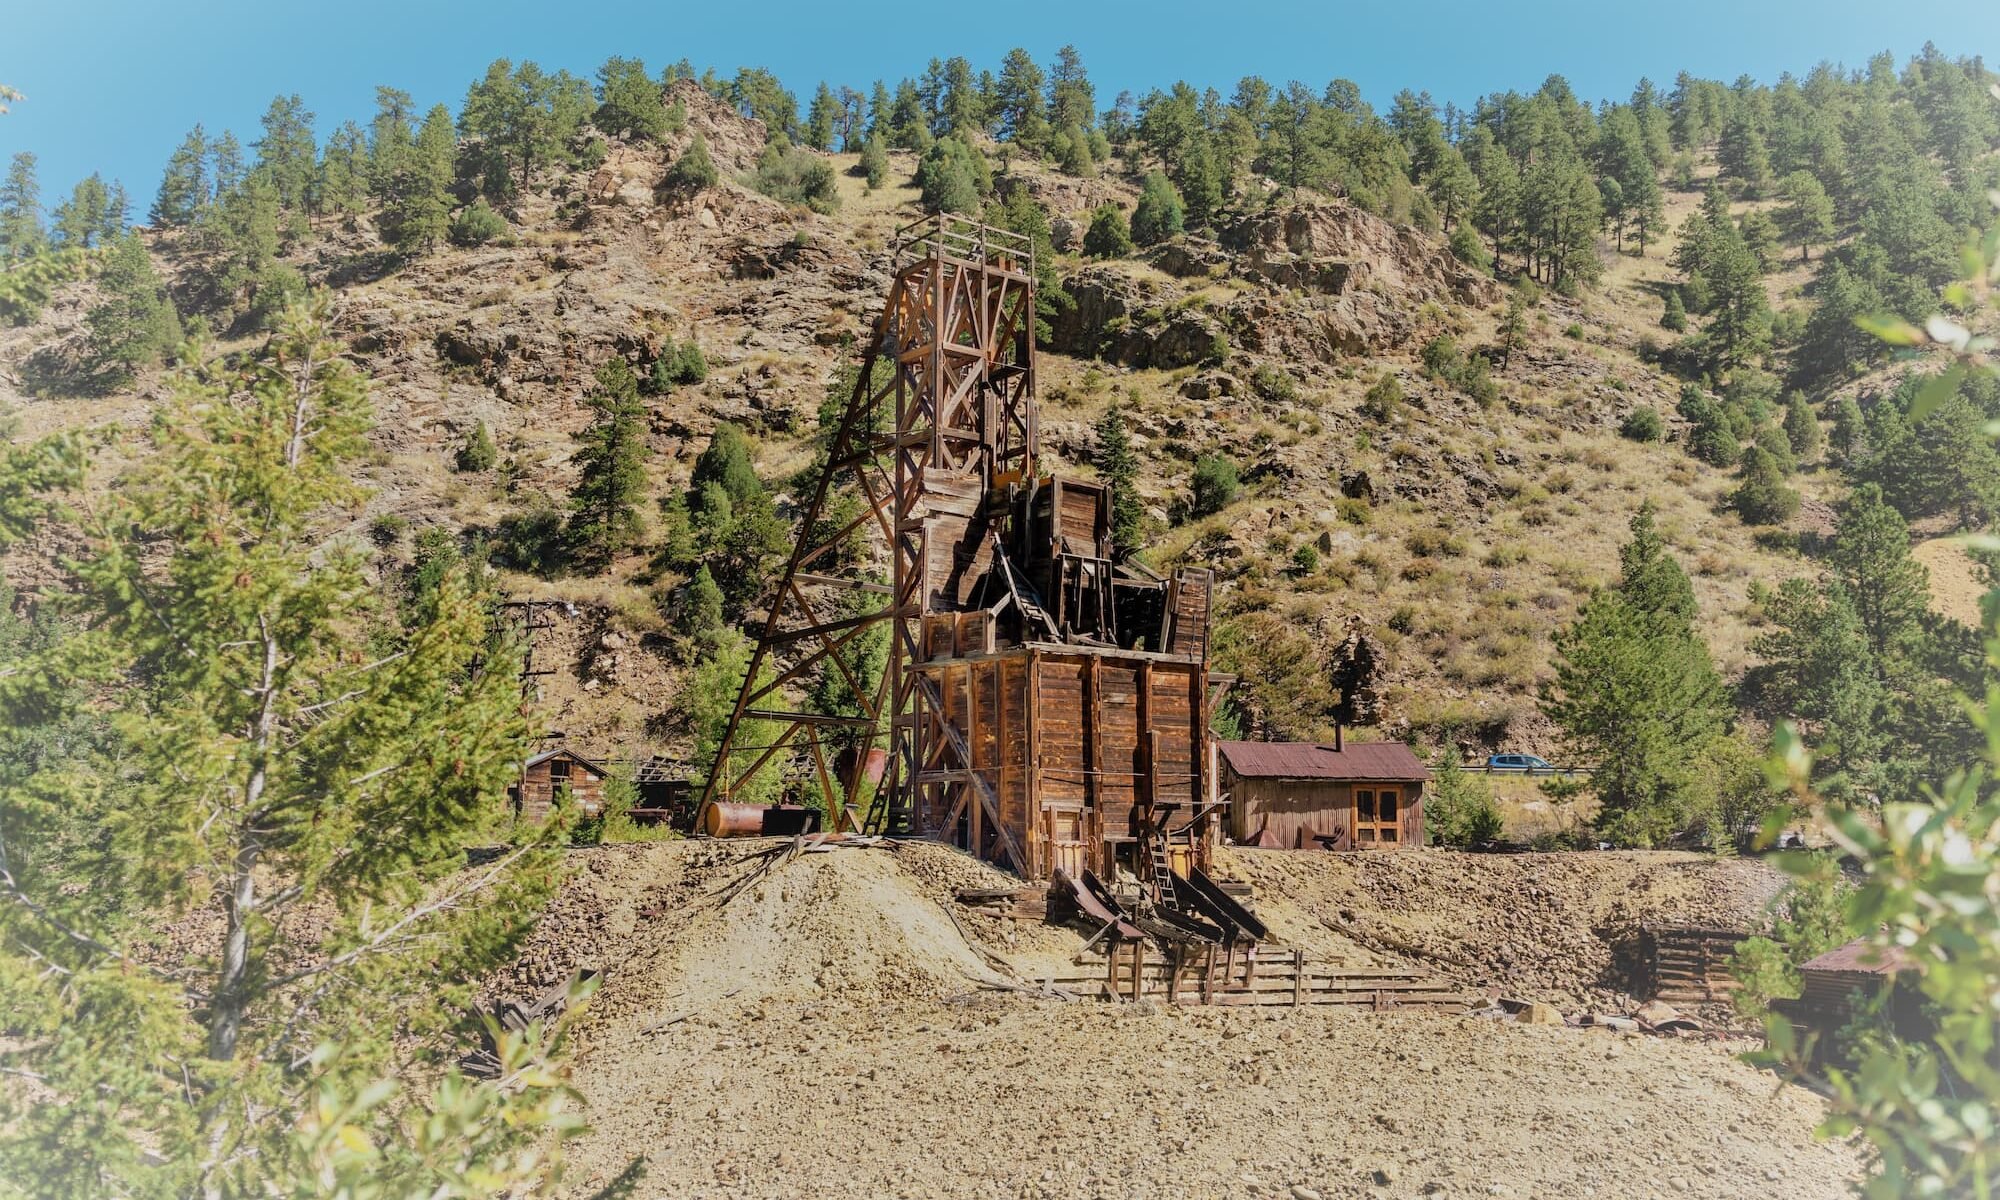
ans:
(1559, 928)
(851, 923)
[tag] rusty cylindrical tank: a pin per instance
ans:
(725, 819)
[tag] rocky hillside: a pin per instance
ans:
(1462, 529)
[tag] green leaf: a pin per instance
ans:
(1936, 391)
(1893, 330)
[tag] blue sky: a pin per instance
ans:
(112, 85)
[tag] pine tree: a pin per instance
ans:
(184, 186)
(420, 216)
(1109, 235)
(1743, 155)
(1871, 560)
(117, 213)
(1761, 496)
(1849, 437)
(1807, 217)
(1017, 101)
(259, 769)
(391, 137)
(1675, 318)
(1159, 214)
(1636, 693)
(1216, 485)
(1119, 468)
(629, 104)
(79, 220)
(604, 504)
(950, 177)
(700, 611)
(1072, 99)
(1820, 673)
(521, 118)
(875, 161)
(342, 187)
(135, 323)
(820, 118)
(1802, 429)
(21, 232)
(287, 152)
(225, 166)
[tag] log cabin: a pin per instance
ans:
(1308, 795)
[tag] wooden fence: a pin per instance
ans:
(1283, 979)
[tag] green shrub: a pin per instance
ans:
(1441, 357)
(796, 175)
(679, 363)
(477, 224)
(478, 453)
(1305, 559)
(694, 169)
(1216, 484)
(1675, 317)
(1644, 424)
(388, 529)
(1273, 385)
(1469, 248)
(1813, 916)
(1384, 399)
(1458, 806)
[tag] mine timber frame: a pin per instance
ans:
(958, 333)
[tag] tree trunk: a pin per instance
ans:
(225, 1017)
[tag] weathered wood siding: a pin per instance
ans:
(1072, 745)
(534, 793)
(1296, 812)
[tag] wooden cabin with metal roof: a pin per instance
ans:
(1313, 795)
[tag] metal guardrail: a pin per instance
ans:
(1531, 772)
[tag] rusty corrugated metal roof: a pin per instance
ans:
(1316, 760)
(1861, 957)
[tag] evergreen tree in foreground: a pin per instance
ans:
(1637, 696)
(604, 504)
(257, 767)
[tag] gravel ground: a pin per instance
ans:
(825, 1034)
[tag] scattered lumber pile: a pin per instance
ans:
(1020, 904)
(513, 1016)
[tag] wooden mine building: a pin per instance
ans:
(1044, 702)
(544, 776)
(1308, 795)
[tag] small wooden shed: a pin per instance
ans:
(1842, 983)
(1307, 795)
(544, 776)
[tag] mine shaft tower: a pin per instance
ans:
(1041, 703)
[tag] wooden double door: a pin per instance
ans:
(1378, 816)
